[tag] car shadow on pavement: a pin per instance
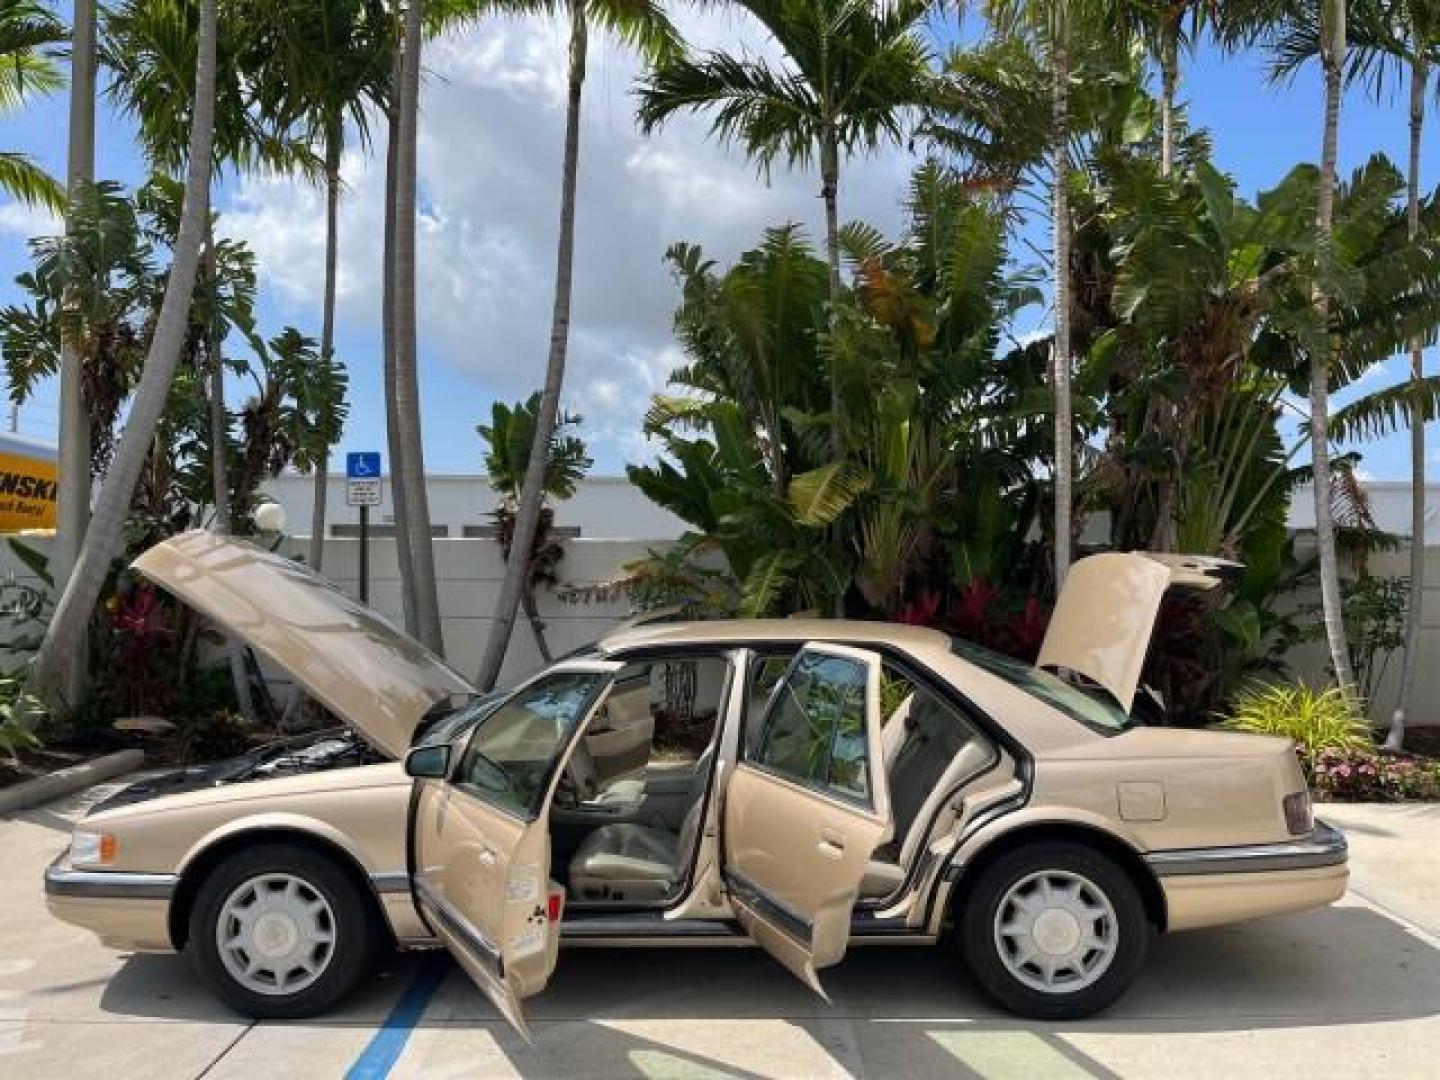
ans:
(893, 1011)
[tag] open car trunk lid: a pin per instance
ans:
(353, 660)
(1105, 615)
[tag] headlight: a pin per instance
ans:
(91, 848)
(1299, 813)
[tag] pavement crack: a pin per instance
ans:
(230, 1046)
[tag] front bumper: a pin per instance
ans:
(125, 910)
(1211, 886)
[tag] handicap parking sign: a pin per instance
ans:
(363, 465)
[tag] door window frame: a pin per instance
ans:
(821, 786)
(604, 670)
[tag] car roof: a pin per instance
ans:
(920, 641)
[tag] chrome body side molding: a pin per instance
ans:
(1325, 846)
(62, 880)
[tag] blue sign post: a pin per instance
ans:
(362, 489)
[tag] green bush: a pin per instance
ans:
(1316, 719)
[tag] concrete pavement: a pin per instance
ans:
(1352, 990)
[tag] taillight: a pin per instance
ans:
(1299, 813)
(555, 906)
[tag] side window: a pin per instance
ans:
(765, 674)
(511, 756)
(815, 731)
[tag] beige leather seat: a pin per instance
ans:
(639, 864)
(928, 748)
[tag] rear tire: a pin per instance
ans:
(1054, 931)
(282, 932)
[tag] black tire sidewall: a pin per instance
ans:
(356, 934)
(977, 942)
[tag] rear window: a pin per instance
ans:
(1096, 710)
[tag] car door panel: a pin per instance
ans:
(481, 839)
(798, 831)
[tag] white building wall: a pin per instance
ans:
(603, 507)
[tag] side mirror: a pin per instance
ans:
(428, 762)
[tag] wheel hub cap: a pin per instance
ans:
(1056, 931)
(275, 934)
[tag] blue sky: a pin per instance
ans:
(489, 178)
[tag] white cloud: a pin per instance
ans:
(489, 157)
(26, 221)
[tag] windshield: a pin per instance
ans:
(1095, 709)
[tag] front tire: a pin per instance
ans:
(1054, 931)
(281, 932)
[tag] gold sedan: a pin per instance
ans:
(802, 785)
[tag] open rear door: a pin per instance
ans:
(806, 807)
(482, 836)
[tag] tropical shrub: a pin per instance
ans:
(18, 711)
(1317, 720)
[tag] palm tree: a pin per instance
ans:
(852, 71)
(72, 504)
(1273, 23)
(1386, 38)
(1167, 27)
(148, 44)
(642, 24)
(1420, 38)
(103, 539)
(510, 436)
(29, 37)
(408, 462)
(1055, 21)
(334, 58)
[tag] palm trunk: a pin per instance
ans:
(392, 417)
(72, 513)
(537, 624)
(1169, 80)
(532, 492)
(327, 331)
(1332, 57)
(219, 473)
(410, 465)
(830, 192)
(104, 539)
(1410, 659)
(1060, 360)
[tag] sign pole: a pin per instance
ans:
(362, 490)
(364, 553)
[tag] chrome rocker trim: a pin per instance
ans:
(108, 884)
(1325, 846)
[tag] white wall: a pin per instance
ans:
(603, 507)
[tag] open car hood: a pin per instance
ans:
(1105, 615)
(353, 660)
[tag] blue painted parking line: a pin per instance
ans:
(384, 1050)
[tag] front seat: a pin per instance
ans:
(639, 864)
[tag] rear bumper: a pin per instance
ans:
(126, 911)
(1211, 886)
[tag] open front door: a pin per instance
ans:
(481, 838)
(806, 807)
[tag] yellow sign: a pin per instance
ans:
(27, 484)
